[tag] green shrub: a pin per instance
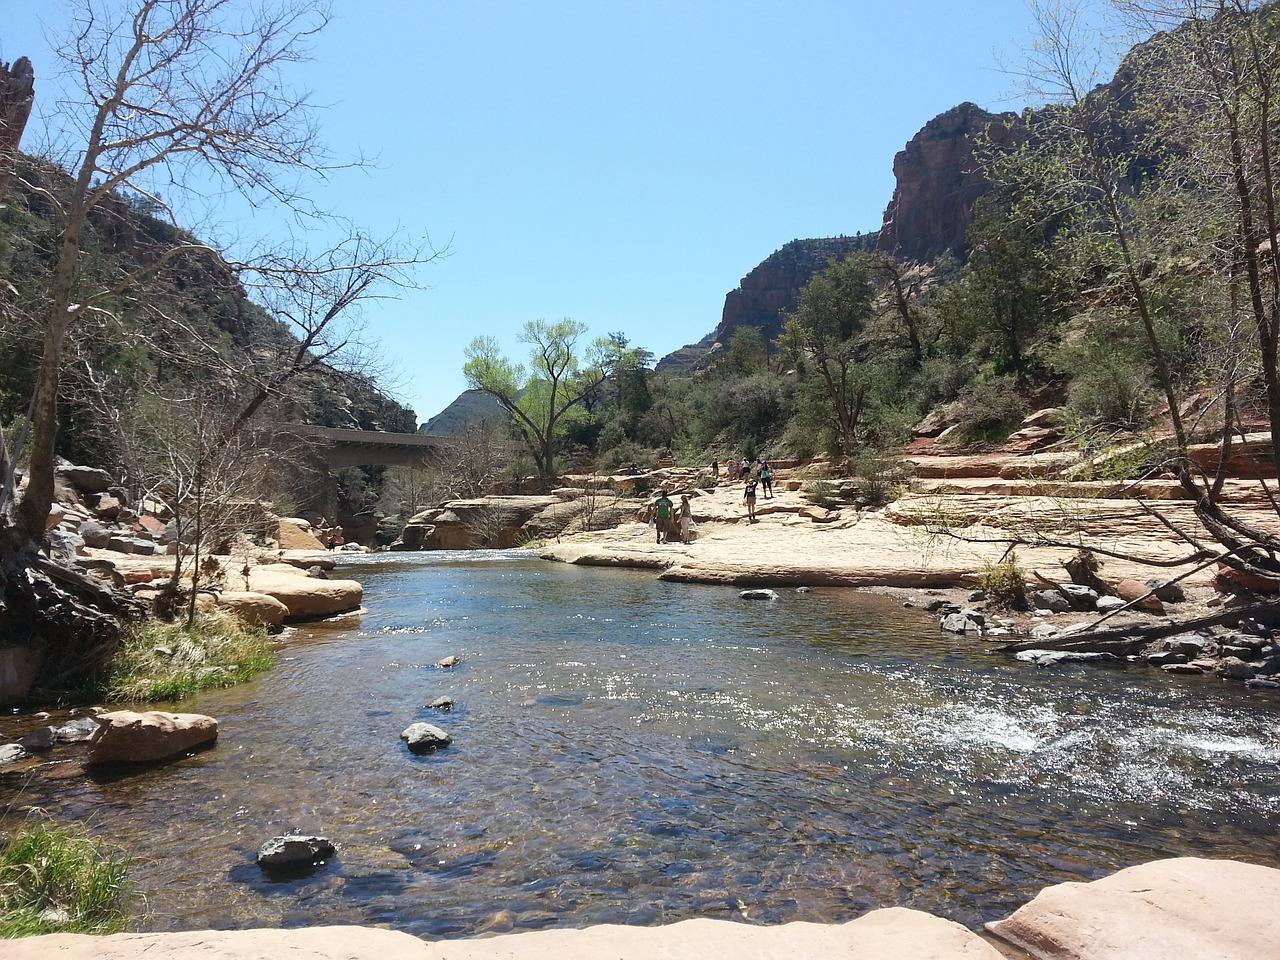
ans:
(878, 478)
(824, 493)
(1004, 583)
(168, 661)
(625, 454)
(1113, 393)
(989, 411)
(54, 880)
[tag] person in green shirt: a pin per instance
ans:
(662, 515)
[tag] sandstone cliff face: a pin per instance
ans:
(765, 294)
(938, 181)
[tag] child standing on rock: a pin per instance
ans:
(749, 498)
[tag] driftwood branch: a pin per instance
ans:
(1133, 637)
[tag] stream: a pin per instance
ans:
(631, 751)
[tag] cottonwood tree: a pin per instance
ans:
(544, 398)
(175, 100)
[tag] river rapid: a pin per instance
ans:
(629, 751)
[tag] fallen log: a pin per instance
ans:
(1105, 641)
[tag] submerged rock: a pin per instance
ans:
(966, 621)
(441, 703)
(12, 753)
(1051, 658)
(764, 594)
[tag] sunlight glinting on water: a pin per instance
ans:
(637, 752)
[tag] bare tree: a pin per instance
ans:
(175, 100)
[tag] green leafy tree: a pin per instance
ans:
(823, 335)
(1012, 296)
(545, 398)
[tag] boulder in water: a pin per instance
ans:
(295, 850)
(124, 736)
(425, 737)
(764, 594)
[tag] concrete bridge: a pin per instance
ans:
(362, 448)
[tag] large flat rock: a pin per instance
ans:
(1181, 909)
(305, 597)
(307, 943)
(125, 736)
(895, 933)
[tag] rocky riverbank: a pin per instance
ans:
(1189, 908)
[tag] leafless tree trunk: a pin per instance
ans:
(188, 96)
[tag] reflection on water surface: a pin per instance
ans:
(630, 751)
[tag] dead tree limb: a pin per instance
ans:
(1105, 641)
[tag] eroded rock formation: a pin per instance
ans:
(938, 180)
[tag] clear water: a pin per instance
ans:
(629, 751)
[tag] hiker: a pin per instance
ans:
(766, 479)
(686, 519)
(662, 515)
(749, 498)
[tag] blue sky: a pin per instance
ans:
(620, 163)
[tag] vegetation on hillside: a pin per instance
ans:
(137, 343)
(1124, 260)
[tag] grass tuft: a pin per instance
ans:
(168, 661)
(54, 880)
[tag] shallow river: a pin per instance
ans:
(630, 751)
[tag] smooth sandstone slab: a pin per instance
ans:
(125, 736)
(306, 943)
(1186, 908)
(304, 596)
(891, 934)
(894, 933)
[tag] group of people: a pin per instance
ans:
(673, 523)
(756, 472)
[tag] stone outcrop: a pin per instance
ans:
(1187, 908)
(767, 292)
(891, 932)
(293, 533)
(128, 737)
(255, 609)
(19, 667)
(938, 181)
(305, 597)
(471, 524)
